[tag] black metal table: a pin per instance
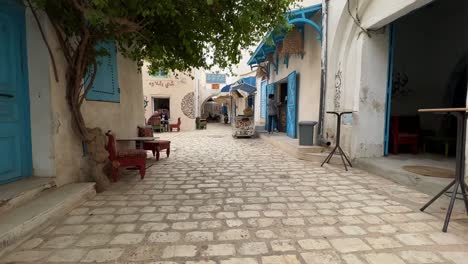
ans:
(338, 114)
(459, 181)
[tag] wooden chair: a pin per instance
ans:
(156, 146)
(404, 130)
(175, 126)
(124, 158)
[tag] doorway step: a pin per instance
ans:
(393, 168)
(291, 146)
(35, 203)
(16, 193)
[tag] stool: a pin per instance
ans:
(158, 145)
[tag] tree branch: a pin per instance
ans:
(41, 30)
(90, 83)
(127, 25)
(63, 43)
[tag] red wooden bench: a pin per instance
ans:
(125, 158)
(175, 126)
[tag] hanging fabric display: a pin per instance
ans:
(293, 43)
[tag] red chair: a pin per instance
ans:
(404, 130)
(125, 158)
(175, 126)
(155, 146)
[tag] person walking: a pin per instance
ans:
(272, 114)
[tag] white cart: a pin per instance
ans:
(243, 126)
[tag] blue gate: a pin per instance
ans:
(291, 114)
(15, 132)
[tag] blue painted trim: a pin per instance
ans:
(391, 60)
(307, 21)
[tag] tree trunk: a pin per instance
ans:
(98, 158)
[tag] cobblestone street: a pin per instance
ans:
(219, 200)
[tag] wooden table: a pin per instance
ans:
(138, 140)
(459, 181)
(338, 114)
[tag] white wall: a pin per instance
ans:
(259, 121)
(57, 149)
(308, 70)
(175, 88)
(307, 3)
(205, 90)
(40, 99)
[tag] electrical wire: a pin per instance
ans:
(357, 21)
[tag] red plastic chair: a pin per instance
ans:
(125, 158)
(155, 146)
(404, 130)
(175, 126)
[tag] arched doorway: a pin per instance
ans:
(212, 110)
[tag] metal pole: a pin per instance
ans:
(324, 68)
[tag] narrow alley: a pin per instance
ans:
(241, 201)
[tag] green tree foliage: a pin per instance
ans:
(169, 34)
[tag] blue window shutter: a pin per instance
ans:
(106, 84)
(291, 114)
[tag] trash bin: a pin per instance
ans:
(306, 133)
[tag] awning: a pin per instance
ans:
(244, 87)
(248, 80)
(299, 18)
(226, 89)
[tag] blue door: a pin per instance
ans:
(291, 113)
(15, 135)
(389, 88)
(270, 89)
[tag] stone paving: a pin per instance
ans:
(219, 200)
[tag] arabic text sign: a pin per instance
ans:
(215, 78)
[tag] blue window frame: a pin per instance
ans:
(106, 84)
(161, 74)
